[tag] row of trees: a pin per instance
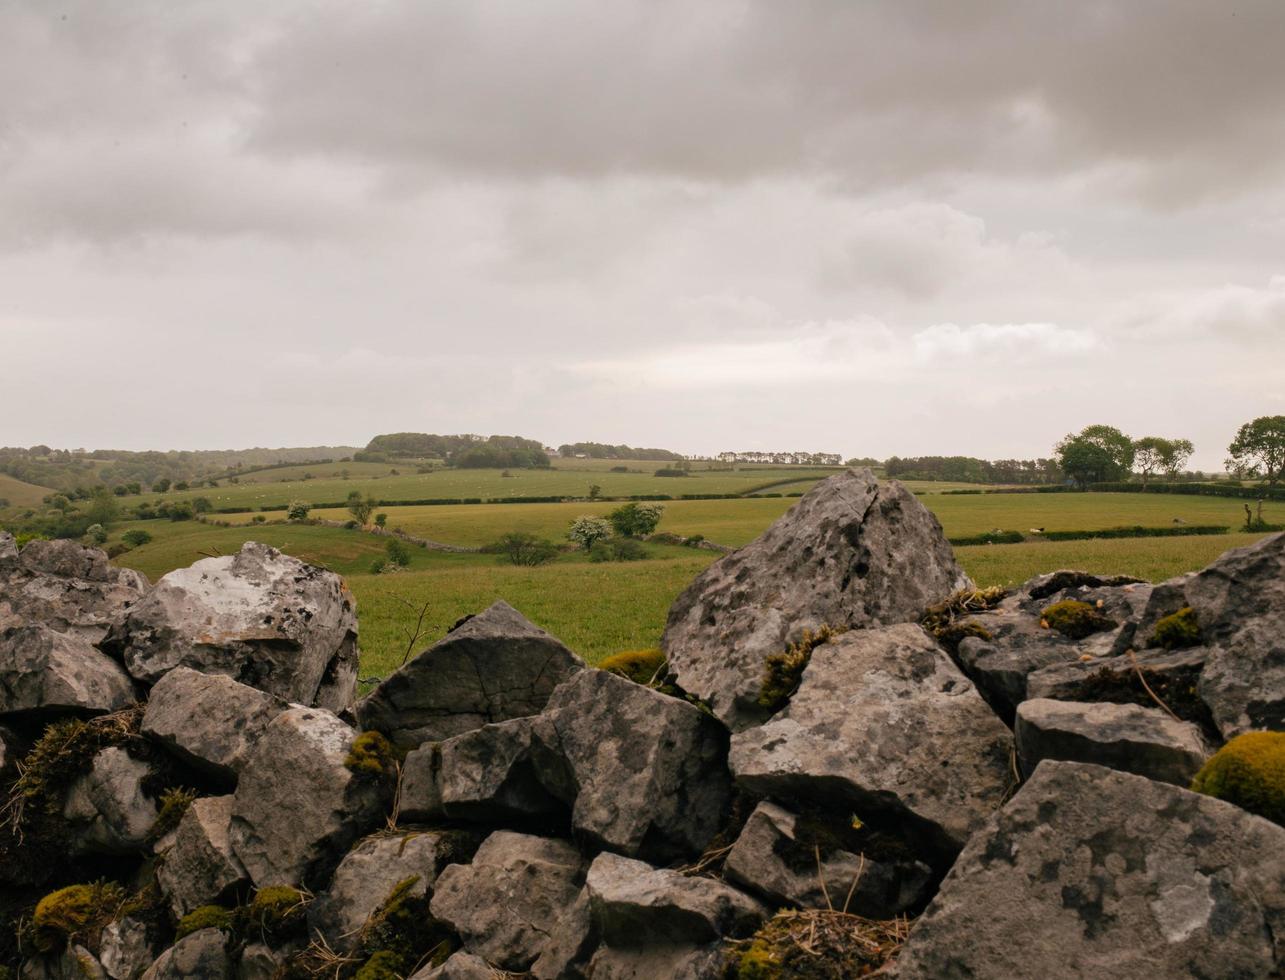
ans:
(602, 450)
(467, 451)
(969, 469)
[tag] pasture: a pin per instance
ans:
(20, 494)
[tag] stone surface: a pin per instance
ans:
(12, 748)
(201, 956)
(460, 965)
(673, 962)
(494, 666)
(634, 904)
(506, 904)
(259, 961)
(208, 720)
(260, 617)
(781, 857)
(883, 722)
(45, 673)
(1096, 873)
(66, 587)
(1173, 675)
(297, 807)
(851, 553)
(1145, 741)
(200, 867)
(367, 875)
(8, 546)
(108, 806)
(650, 771)
(571, 944)
(126, 949)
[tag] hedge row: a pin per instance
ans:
(1137, 531)
(990, 537)
(1194, 489)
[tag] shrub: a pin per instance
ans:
(990, 537)
(202, 505)
(524, 549)
(360, 507)
(297, 510)
(381, 520)
(135, 537)
(1075, 619)
(617, 549)
(379, 566)
(96, 533)
(1250, 772)
(782, 672)
(74, 913)
(1178, 630)
(180, 511)
(639, 666)
(258, 519)
(398, 552)
(205, 917)
(636, 520)
(669, 471)
(587, 530)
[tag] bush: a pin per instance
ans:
(639, 666)
(379, 566)
(669, 471)
(398, 552)
(1177, 631)
(136, 537)
(297, 510)
(381, 520)
(202, 505)
(180, 511)
(990, 537)
(1250, 772)
(524, 549)
(96, 533)
(587, 530)
(636, 520)
(1075, 619)
(258, 519)
(617, 549)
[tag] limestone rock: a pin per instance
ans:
(8, 546)
(1092, 872)
(508, 901)
(297, 806)
(259, 961)
(208, 720)
(883, 722)
(126, 949)
(671, 961)
(460, 965)
(200, 868)
(66, 587)
(570, 946)
(650, 770)
(495, 666)
(201, 956)
(260, 617)
(1127, 737)
(44, 673)
(785, 858)
(1173, 675)
(109, 807)
(851, 553)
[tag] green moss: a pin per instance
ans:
(640, 666)
(951, 636)
(371, 756)
(1076, 619)
(206, 917)
(382, 966)
(174, 803)
(966, 602)
(1250, 772)
(783, 671)
(1182, 629)
(74, 914)
(275, 912)
(401, 932)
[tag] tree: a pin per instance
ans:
(1259, 448)
(297, 510)
(96, 533)
(161, 485)
(636, 520)
(360, 507)
(202, 505)
(595, 491)
(586, 530)
(381, 520)
(1152, 454)
(526, 549)
(136, 537)
(1099, 454)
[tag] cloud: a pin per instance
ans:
(1014, 340)
(1231, 312)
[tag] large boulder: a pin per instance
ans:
(649, 770)
(298, 805)
(209, 721)
(853, 553)
(260, 617)
(1129, 737)
(507, 902)
(494, 666)
(203, 955)
(1090, 872)
(127, 947)
(200, 867)
(67, 587)
(109, 805)
(44, 673)
(885, 723)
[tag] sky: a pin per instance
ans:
(869, 228)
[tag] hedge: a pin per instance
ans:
(990, 537)
(1137, 531)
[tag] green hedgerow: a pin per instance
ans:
(639, 666)
(782, 672)
(1250, 772)
(1076, 619)
(205, 917)
(1182, 629)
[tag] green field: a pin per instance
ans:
(20, 494)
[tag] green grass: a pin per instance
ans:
(20, 494)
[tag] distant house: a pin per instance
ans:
(784, 459)
(550, 452)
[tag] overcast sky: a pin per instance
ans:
(868, 228)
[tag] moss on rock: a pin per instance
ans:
(1250, 772)
(174, 803)
(640, 666)
(782, 672)
(75, 914)
(205, 917)
(371, 756)
(276, 912)
(1182, 629)
(1076, 619)
(816, 945)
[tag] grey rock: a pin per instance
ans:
(1128, 737)
(297, 807)
(570, 946)
(367, 876)
(851, 553)
(201, 956)
(673, 962)
(781, 858)
(493, 667)
(209, 721)
(883, 722)
(66, 587)
(8, 546)
(200, 867)
(635, 905)
(460, 965)
(73, 963)
(12, 748)
(650, 770)
(45, 673)
(126, 949)
(1173, 675)
(507, 903)
(260, 617)
(108, 806)
(259, 961)
(1092, 872)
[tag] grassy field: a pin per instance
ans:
(20, 494)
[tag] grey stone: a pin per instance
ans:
(1173, 675)
(852, 553)
(297, 807)
(1092, 872)
(493, 667)
(460, 965)
(108, 806)
(636, 905)
(650, 770)
(45, 673)
(66, 587)
(12, 748)
(367, 876)
(200, 867)
(260, 617)
(1128, 737)
(570, 946)
(73, 963)
(506, 904)
(8, 546)
(259, 961)
(673, 962)
(126, 949)
(883, 722)
(780, 857)
(208, 720)
(201, 956)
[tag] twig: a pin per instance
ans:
(419, 631)
(861, 868)
(816, 849)
(1154, 697)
